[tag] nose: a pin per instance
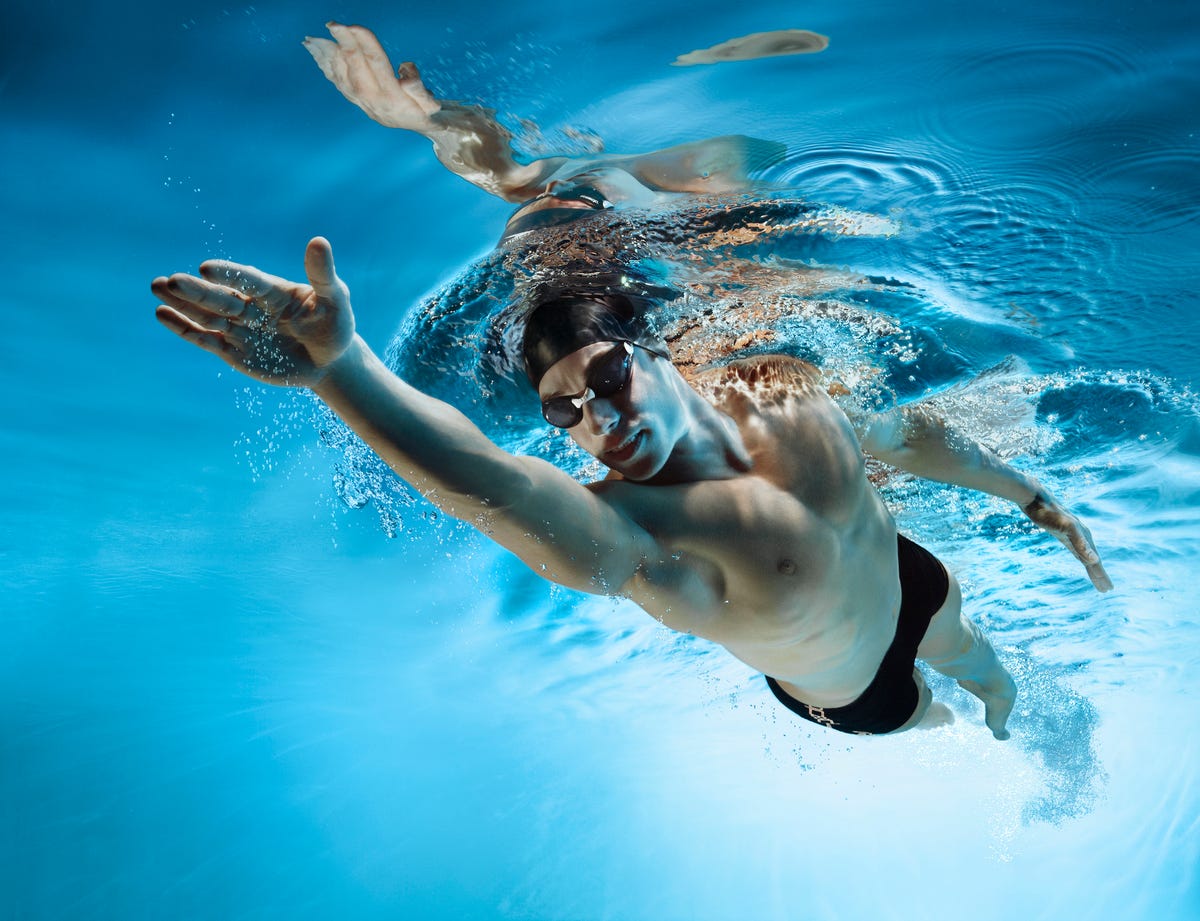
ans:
(600, 415)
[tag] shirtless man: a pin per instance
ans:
(738, 508)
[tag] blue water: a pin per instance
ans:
(228, 693)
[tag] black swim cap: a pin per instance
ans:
(565, 324)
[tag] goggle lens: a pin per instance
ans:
(606, 378)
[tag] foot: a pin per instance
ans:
(998, 697)
(937, 715)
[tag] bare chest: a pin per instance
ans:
(782, 588)
(738, 549)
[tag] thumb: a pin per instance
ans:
(318, 266)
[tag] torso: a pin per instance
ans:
(792, 566)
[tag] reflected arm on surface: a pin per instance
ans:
(470, 142)
(919, 441)
(294, 334)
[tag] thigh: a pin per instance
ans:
(947, 635)
(924, 699)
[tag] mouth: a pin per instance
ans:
(625, 450)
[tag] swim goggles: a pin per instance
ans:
(606, 377)
(522, 221)
(587, 194)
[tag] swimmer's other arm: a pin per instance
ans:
(467, 139)
(915, 439)
(470, 142)
(285, 333)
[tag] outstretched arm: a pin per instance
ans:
(287, 333)
(470, 142)
(915, 439)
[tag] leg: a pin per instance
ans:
(928, 714)
(957, 648)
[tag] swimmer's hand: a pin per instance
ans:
(1045, 512)
(467, 139)
(271, 329)
(358, 66)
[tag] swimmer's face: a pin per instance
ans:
(633, 430)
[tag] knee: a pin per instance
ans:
(968, 640)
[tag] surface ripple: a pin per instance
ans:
(870, 177)
(1024, 96)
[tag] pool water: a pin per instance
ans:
(246, 676)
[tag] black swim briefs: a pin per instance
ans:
(891, 697)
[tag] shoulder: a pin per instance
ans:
(799, 438)
(766, 369)
(766, 380)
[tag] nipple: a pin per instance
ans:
(787, 567)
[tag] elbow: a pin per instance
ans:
(882, 434)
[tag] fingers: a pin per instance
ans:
(200, 300)
(232, 328)
(215, 342)
(1075, 536)
(1099, 577)
(410, 81)
(243, 293)
(318, 266)
(370, 62)
(324, 52)
(1079, 540)
(352, 67)
(360, 65)
(334, 59)
(271, 291)
(356, 63)
(1085, 549)
(215, 318)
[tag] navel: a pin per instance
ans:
(786, 567)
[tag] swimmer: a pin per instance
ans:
(737, 507)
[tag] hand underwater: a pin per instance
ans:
(271, 329)
(1045, 512)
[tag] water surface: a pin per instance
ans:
(230, 694)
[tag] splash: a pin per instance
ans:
(1055, 726)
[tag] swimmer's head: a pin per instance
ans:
(567, 323)
(563, 205)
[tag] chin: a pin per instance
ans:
(644, 465)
